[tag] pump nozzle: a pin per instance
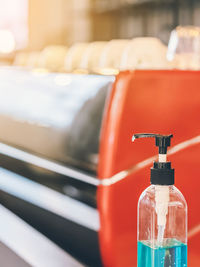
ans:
(162, 141)
(161, 173)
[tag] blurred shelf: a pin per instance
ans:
(23, 246)
(101, 7)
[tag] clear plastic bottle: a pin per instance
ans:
(162, 215)
(173, 250)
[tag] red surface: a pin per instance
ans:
(146, 101)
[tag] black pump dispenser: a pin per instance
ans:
(161, 172)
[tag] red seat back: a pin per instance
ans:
(147, 101)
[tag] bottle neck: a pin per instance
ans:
(162, 157)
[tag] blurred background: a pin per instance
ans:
(32, 25)
(72, 74)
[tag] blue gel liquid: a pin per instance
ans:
(173, 253)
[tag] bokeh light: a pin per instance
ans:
(7, 42)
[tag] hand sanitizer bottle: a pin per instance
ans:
(162, 215)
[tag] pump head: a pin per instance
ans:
(162, 141)
(161, 173)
